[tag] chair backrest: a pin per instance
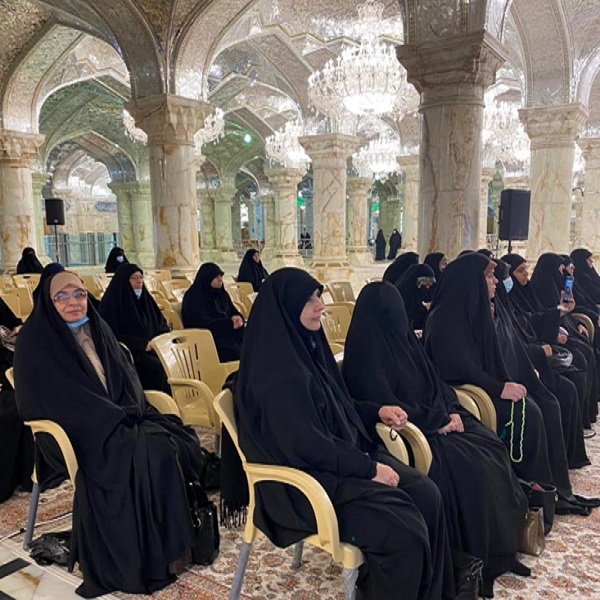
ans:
(160, 300)
(92, 285)
(11, 297)
(252, 297)
(332, 330)
(30, 281)
(172, 318)
(343, 316)
(341, 291)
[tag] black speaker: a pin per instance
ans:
(513, 222)
(55, 211)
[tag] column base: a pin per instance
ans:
(331, 270)
(229, 256)
(360, 257)
(210, 255)
(286, 260)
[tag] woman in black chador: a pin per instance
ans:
(380, 246)
(293, 409)
(384, 363)
(415, 287)
(252, 270)
(133, 315)
(29, 262)
(130, 513)
(207, 305)
(586, 275)
(116, 257)
(396, 269)
(395, 244)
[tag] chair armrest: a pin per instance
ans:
(162, 402)
(468, 403)
(393, 443)
(205, 395)
(587, 322)
(484, 404)
(231, 366)
(412, 435)
(327, 525)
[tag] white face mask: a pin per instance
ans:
(138, 293)
(508, 284)
(120, 258)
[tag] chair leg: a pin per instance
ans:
(350, 576)
(238, 578)
(297, 561)
(33, 505)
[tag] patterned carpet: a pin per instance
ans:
(568, 568)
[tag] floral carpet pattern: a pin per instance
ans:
(568, 568)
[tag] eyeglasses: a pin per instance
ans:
(64, 297)
(136, 278)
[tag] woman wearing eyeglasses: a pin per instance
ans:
(135, 319)
(130, 512)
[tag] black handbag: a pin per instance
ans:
(211, 477)
(542, 495)
(205, 548)
(467, 575)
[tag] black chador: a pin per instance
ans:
(251, 270)
(384, 363)
(293, 409)
(396, 269)
(415, 288)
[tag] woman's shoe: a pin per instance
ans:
(564, 507)
(587, 502)
(518, 568)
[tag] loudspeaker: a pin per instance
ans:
(55, 211)
(513, 222)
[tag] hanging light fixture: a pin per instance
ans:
(378, 158)
(366, 79)
(284, 148)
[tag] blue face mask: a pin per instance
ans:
(79, 323)
(508, 284)
(138, 293)
(120, 258)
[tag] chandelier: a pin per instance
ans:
(379, 158)
(214, 128)
(366, 79)
(284, 148)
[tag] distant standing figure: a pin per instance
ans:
(29, 262)
(115, 258)
(395, 244)
(380, 246)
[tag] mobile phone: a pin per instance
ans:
(568, 290)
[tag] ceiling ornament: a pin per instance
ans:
(378, 159)
(284, 148)
(366, 79)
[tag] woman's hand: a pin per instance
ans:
(149, 347)
(513, 391)
(547, 348)
(582, 329)
(455, 424)
(237, 321)
(386, 475)
(393, 416)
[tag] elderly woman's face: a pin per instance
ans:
(136, 280)
(310, 317)
(71, 303)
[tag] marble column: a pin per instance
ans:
(329, 154)
(17, 222)
(285, 187)
(590, 217)
(451, 73)
(208, 249)
(38, 181)
(410, 222)
(142, 229)
(171, 122)
(269, 226)
(357, 221)
(552, 131)
(487, 174)
(122, 190)
(223, 226)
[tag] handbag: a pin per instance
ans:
(205, 547)
(467, 575)
(7, 338)
(542, 495)
(532, 540)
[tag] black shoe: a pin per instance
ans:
(564, 507)
(587, 502)
(487, 589)
(518, 568)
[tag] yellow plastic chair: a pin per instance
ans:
(394, 442)
(160, 300)
(236, 297)
(341, 291)
(162, 402)
(587, 322)
(327, 537)
(92, 285)
(343, 316)
(332, 330)
(172, 318)
(11, 297)
(245, 289)
(477, 402)
(30, 281)
(252, 297)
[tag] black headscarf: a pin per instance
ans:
(112, 263)
(380, 246)
(433, 260)
(547, 280)
(251, 271)
(399, 371)
(586, 276)
(134, 321)
(400, 265)
(49, 270)
(460, 337)
(413, 295)
(29, 262)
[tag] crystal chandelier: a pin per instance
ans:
(366, 79)
(378, 158)
(284, 148)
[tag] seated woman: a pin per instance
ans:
(438, 261)
(252, 270)
(116, 257)
(133, 315)
(415, 288)
(384, 363)
(293, 409)
(207, 305)
(29, 262)
(397, 268)
(586, 275)
(16, 453)
(130, 513)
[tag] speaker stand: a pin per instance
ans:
(56, 242)
(509, 245)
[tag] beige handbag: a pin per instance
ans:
(532, 539)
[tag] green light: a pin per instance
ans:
(247, 138)
(375, 206)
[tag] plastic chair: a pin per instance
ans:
(343, 315)
(587, 323)
(477, 402)
(327, 537)
(245, 289)
(394, 442)
(11, 297)
(332, 330)
(341, 291)
(25, 300)
(173, 318)
(30, 281)
(92, 285)
(252, 297)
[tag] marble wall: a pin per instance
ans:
(590, 203)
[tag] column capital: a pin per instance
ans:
(358, 186)
(280, 177)
(225, 193)
(590, 147)
(19, 148)
(169, 119)
(553, 126)
(410, 165)
(330, 149)
(454, 68)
